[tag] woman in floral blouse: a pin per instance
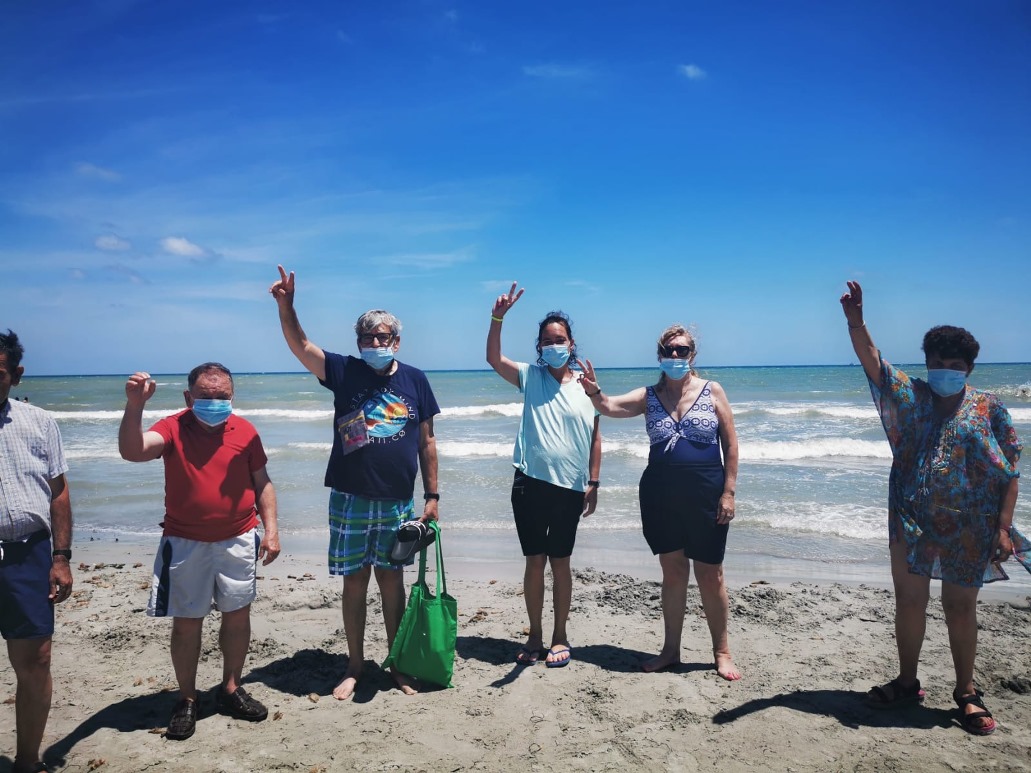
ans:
(951, 495)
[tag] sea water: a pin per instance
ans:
(812, 485)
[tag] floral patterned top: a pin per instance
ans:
(948, 476)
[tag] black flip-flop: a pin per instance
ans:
(412, 536)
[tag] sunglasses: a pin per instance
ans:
(676, 351)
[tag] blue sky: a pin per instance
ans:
(725, 164)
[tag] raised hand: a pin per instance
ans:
(588, 380)
(139, 388)
(852, 304)
(283, 288)
(506, 302)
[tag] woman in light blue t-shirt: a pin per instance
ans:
(557, 459)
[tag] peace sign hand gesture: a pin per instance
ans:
(588, 380)
(283, 288)
(852, 305)
(506, 302)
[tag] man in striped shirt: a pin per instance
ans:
(35, 549)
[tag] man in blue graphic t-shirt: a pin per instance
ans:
(382, 436)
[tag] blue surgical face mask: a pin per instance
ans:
(675, 367)
(378, 358)
(945, 382)
(556, 355)
(212, 412)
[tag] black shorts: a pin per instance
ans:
(546, 516)
(678, 510)
(26, 611)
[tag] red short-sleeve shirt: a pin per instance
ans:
(209, 488)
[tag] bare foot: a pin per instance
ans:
(660, 662)
(725, 667)
(404, 683)
(346, 688)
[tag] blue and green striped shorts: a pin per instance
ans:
(362, 531)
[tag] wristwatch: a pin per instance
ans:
(66, 553)
(428, 496)
(595, 483)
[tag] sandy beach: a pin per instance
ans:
(808, 653)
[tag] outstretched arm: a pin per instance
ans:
(616, 406)
(134, 444)
(862, 342)
(311, 356)
(503, 366)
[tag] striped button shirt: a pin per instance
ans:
(30, 456)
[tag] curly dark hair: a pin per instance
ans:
(12, 348)
(950, 342)
(561, 318)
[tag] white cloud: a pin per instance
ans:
(177, 245)
(692, 72)
(112, 242)
(557, 71)
(96, 172)
(76, 274)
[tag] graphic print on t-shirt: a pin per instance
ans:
(386, 415)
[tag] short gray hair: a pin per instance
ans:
(373, 318)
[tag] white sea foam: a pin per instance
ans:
(92, 453)
(483, 411)
(846, 520)
(807, 410)
(816, 448)
(458, 449)
(302, 414)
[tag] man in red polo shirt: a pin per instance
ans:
(216, 488)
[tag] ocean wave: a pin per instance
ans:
(844, 520)
(92, 453)
(816, 448)
(301, 414)
(457, 449)
(476, 411)
(807, 410)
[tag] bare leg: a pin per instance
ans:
(392, 592)
(713, 591)
(234, 639)
(186, 633)
(356, 588)
(960, 605)
(912, 592)
(533, 595)
(562, 599)
(676, 572)
(30, 659)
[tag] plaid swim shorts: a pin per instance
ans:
(362, 531)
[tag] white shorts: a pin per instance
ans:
(191, 578)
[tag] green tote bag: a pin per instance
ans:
(424, 646)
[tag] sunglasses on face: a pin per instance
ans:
(676, 351)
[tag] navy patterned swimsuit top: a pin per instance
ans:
(692, 440)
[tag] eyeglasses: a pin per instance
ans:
(676, 351)
(372, 339)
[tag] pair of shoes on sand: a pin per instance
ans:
(896, 695)
(412, 536)
(238, 705)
